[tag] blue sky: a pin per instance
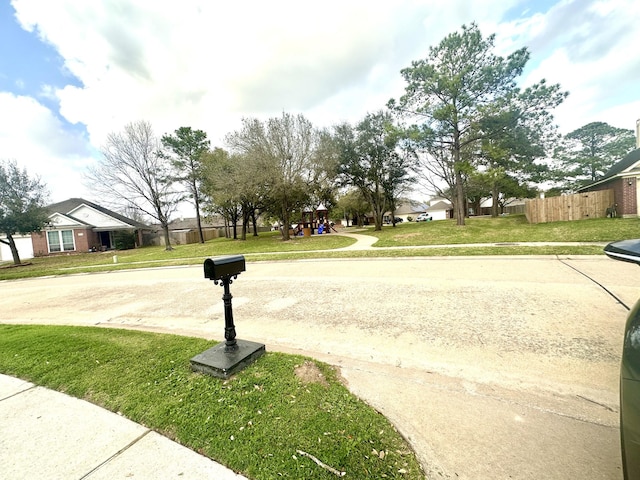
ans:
(24, 59)
(72, 71)
(27, 64)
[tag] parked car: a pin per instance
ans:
(629, 251)
(399, 219)
(424, 217)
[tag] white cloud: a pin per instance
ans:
(207, 64)
(33, 137)
(590, 49)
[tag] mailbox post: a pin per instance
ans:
(224, 360)
(225, 270)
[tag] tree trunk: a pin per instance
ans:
(227, 232)
(245, 222)
(167, 240)
(14, 249)
(494, 200)
(460, 200)
(285, 218)
(254, 221)
(378, 212)
(286, 223)
(234, 221)
(198, 220)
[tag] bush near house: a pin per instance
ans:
(124, 240)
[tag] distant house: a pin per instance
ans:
(622, 178)
(185, 230)
(78, 225)
(404, 210)
(511, 206)
(440, 210)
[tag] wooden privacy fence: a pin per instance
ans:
(194, 237)
(578, 206)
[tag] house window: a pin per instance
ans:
(60, 241)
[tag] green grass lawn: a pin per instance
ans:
(254, 422)
(513, 228)
(269, 246)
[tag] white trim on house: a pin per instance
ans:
(65, 243)
(99, 220)
(61, 221)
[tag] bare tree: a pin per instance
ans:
(283, 150)
(134, 175)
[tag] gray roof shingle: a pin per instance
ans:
(69, 205)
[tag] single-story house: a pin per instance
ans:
(440, 210)
(512, 206)
(404, 210)
(78, 225)
(624, 179)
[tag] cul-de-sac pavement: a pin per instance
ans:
(492, 367)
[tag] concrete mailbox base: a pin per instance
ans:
(219, 363)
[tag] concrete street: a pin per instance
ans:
(492, 367)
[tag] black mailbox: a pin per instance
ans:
(221, 267)
(224, 359)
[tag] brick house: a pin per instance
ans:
(78, 225)
(624, 179)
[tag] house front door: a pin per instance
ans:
(106, 240)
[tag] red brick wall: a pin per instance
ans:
(39, 241)
(84, 239)
(629, 197)
(625, 194)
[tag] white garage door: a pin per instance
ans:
(25, 249)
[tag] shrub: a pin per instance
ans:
(124, 240)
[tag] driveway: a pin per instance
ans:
(492, 367)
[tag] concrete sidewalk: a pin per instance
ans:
(46, 434)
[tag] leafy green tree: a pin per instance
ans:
(22, 205)
(217, 188)
(281, 151)
(184, 149)
(353, 205)
(478, 187)
(133, 173)
(234, 187)
(450, 93)
(511, 188)
(511, 154)
(372, 161)
(325, 161)
(588, 152)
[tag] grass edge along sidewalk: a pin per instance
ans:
(490, 236)
(269, 421)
